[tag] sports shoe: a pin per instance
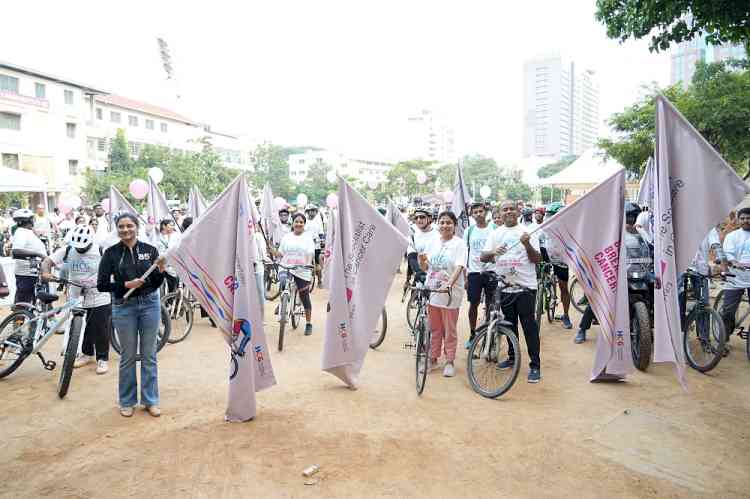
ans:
(308, 329)
(449, 370)
(82, 360)
(101, 366)
(535, 375)
(154, 410)
(506, 364)
(126, 412)
(580, 337)
(566, 322)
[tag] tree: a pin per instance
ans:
(119, 155)
(556, 167)
(272, 166)
(717, 104)
(726, 21)
(401, 180)
(316, 185)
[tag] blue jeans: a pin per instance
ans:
(137, 321)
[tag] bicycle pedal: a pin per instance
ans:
(47, 364)
(409, 346)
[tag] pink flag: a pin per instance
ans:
(365, 245)
(694, 190)
(591, 233)
(118, 204)
(215, 259)
(196, 204)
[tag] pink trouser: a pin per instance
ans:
(443, 323)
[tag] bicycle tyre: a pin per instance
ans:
(293, 311)
(423, 356)
(182, 331)
(282, 319)
(271, 281)
(539, 308)
(161, 339)
(69, 358)
(411, 310)
(715, 350)
(379, 335)
(551, 300)
(24, 353)
(577, 297)
(477, 356)
(641, 341)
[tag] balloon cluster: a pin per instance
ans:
(138, 188)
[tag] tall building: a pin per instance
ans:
(430, 138)
(560, 108)
(687, 54)
(361, 169)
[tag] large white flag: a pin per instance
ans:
(196, 204)
(461, 201)
(394, 216)
(270, 220)
(215, 259)
(365, 247)
(118, 204)
(325, 281)
(695, 190)
(646, 187)
(591, 233)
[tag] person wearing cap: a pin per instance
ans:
(422, 237)
(80, 260)
(527, 220)
(317, 229)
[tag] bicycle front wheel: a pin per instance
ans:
(14, 331)
(378, 335)
(550, 299)
(71, 349)
(411, 310)
(282, 319)
(295, 313)
(489, 366)
(704, 339)
(271, 283)
(423, 355)
(180, 315)
(577, 297)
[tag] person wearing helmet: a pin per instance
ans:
(285, 228)
(553, 253)
(422, 237)
(316, 228)
(80, 260)
(24, 238)
(539, 215)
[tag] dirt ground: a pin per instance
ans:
(564, 437)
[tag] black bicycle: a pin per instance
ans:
(422, 335)
(546, 296)
(703, 330)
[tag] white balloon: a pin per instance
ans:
(421, 178)
(485, 191)
(372, 183)
(279, 203)
(301, 200)
(156, 174)
(331, 176)
(448, 196)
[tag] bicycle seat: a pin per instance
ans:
(45, 297)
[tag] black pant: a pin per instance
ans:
(25, 291)
(521, 306)
(587, 319)
(98, 331)
(732, 298)
(171, 282)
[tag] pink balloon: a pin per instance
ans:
(105, 204)
(332, 200)
(138, 188)
(279, 203)
(64, 207)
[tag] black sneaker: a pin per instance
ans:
(566, 324)
(308, 329)
(535, 376)
(506, 364)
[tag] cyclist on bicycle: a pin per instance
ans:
(298, 249)
(700, 266)
(479, 279)
(552, 253)
(24, 238)
(423, 236)
(515, 254)
(81, 261)
(737, 251)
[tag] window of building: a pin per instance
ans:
(133, 120)
(10, 121)
(8, 84)
(149, 124)
(135, 148)
(114, 117)
(69, 97)
(70, 129)
(99, 113)
(10, 161)
(73, 166)
(101, 145)
(41, 90)
(164, 127)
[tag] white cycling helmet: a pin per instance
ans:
(311, 207)
(22, 214)
(83, 237)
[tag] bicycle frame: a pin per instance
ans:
(44, 329)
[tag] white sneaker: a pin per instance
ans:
(101, 366)
(449, 370)
(83, 360)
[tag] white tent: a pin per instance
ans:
(12, 180)
(585, 172)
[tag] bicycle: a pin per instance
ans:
(26, 330)
(271, 280)
(422, 335)
(703, 330)
(486, 352)
(180, 305)
(289, 294)
(740, 317)
(577, 297)
(378, 334)
(546, 296)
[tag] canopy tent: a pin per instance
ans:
(587, 171)
(20, 181)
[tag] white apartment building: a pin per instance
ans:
(560, 108)
(687, 54)
(361, 169)
(43, 125)
(430, 139)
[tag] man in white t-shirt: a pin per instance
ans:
(479, 278)
(25, 239)
(516, 254)
(737, 252)
(317, 230)
(423, 236)
(643, 223)
(80, 259)
(43, 226)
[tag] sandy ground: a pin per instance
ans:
(563, 437)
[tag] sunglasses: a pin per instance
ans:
(418, 217)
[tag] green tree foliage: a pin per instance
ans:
(119, 155)
(401, 180)
(271, 165)
(316, 186)
(725, 21)
(556, 167)
(717, 104)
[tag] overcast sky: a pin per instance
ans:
(338, 74)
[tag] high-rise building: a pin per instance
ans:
(560, 108)
(430, 138)
(687, 54)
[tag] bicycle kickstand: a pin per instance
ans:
(48, 364)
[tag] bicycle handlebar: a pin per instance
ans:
(294, 267)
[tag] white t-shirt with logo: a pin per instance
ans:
(315, 228)
(737, 248)
(26, 239)
(443, 258)
(42, 225)
(514, 265)
(82, 268)
(420, 240)
(700, 262)
(476, 238)
(298, 250)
